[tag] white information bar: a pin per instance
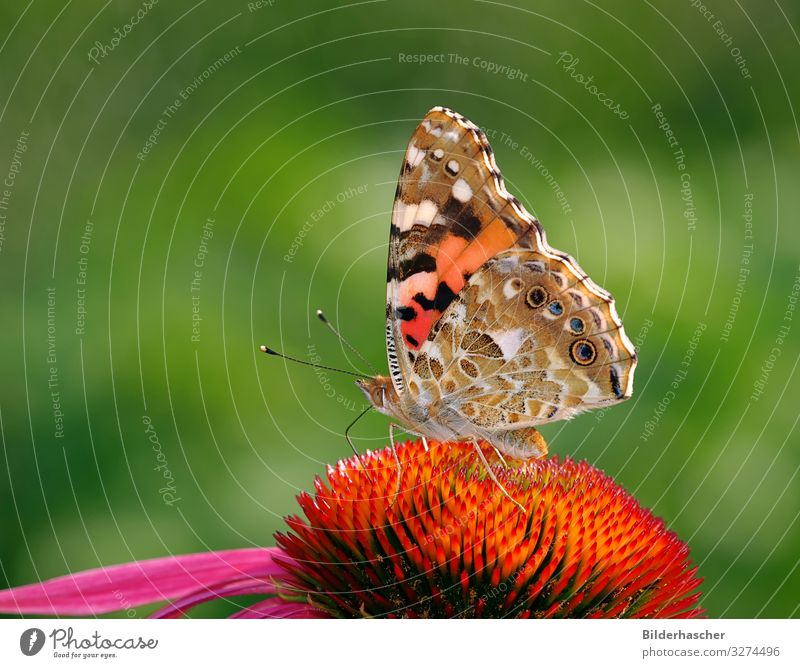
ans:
(441, 643)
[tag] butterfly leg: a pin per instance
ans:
(425, 443)
(499, 455)
(494, 477)
(352, 445)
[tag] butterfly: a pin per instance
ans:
(490, 332)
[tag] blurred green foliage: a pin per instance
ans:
(291, 145)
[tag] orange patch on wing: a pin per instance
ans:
(418, 328)
(451, 247)
(494, 238)
(456, 257)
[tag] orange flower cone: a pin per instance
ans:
(453, 545)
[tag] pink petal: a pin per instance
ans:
(277, 608)
(238, 587)
(137, 583)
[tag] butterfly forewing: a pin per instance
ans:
(451, 214)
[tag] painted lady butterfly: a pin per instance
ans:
(490, 332)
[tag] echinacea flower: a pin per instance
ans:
(451, 544)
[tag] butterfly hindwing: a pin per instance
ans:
(530, 339)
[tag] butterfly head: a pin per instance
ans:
(381, 394)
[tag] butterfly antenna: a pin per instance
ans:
(352, 445)
(270, 351)
(338, 334)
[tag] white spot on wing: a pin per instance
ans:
(426, 212)
(461, 191)
(509, 341)
(453, 166)
(406, 220)
(398, 213)
(511, 287)
(414, 155)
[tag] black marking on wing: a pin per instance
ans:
(615, 382)
(451, 211)
(416, 264)
(467, 225)
(444, 297)
(405, 312)
(423, 301)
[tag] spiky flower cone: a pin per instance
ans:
(451, 544)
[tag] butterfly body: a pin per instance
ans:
(490, 332)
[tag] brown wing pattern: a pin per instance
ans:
(530, 339)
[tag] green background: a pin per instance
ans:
(303, 128)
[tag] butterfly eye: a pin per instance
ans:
(583, 352)
(536, 296)
(576, 325)
(556, 307)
